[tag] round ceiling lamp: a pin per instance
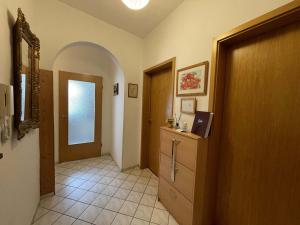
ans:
(136, 4)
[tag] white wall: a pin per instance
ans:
(118, 119)
(88, 58)
(58, 25)
(19, 169)
(188, 32)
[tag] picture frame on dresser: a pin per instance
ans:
(188, 105)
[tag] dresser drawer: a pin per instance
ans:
(184, 178)
(176, 203)
(186, 148)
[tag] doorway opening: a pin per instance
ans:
(158, 96)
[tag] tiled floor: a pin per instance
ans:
(94, 191)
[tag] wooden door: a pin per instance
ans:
(47, 173)
(80, 113)
(259, 167)
(161, 107)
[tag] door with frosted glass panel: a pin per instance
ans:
(80, 112)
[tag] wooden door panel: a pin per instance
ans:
(160, 109)
(69, 152)
(46, 133)
(259, 171)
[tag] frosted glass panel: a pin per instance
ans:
(23, 96)
(81, 110)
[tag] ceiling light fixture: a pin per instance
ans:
(136, 4)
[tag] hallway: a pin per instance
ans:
(94, 191)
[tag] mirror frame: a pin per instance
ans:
(22, 31)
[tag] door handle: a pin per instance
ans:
(174, 152)
(1, 155)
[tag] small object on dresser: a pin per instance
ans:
(170, 122)
(202, 123)
(184, 127)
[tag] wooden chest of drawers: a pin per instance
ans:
(182, 175)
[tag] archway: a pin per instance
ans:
(89, 58)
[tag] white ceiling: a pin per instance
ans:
(116, 13)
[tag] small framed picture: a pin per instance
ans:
(188, 105)
(132, 90)
(116, 89)
(192, 80)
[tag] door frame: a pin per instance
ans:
(281, 16)
(63, 116)
(168, 64)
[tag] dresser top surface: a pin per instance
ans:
(186, 134)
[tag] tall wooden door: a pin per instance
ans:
(47, 173)
(259, 170)
(161, 102)
(80, 113)
(158, 88)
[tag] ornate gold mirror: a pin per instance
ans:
(26, 76)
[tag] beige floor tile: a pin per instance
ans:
(64, 220)
(114, 204)
(47, 219)
(101, 201)
(89, 197)
(139, 187)
(116, 182)
(172, 220)
(87, 185)
(77, 183)
(151, 190)
(98, 188)
(39, 213)
(64, 192)
(109, 190)
(143, 212)
(50, 202)
(143, 180)
(80, 222)
(159, 205)
(77, 194)
(106, 180)
(160, 217)
(106, 217)
(122, 176)
(122, 193)
(132, 178)
(128, 208)
(135, 196)
(148, 200)
(127, 185)
(64, 205)
(90, 214)
(136, 221)
(122, 220)
(76, 210)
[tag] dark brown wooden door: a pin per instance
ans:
(161, 103)
(259, 171)
(47, 173)
(80, 113)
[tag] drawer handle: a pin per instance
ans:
(174, 152)
(172, 194)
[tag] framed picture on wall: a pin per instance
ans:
(132, 90)
(192, 80)
(116, 89)
(188, 105)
